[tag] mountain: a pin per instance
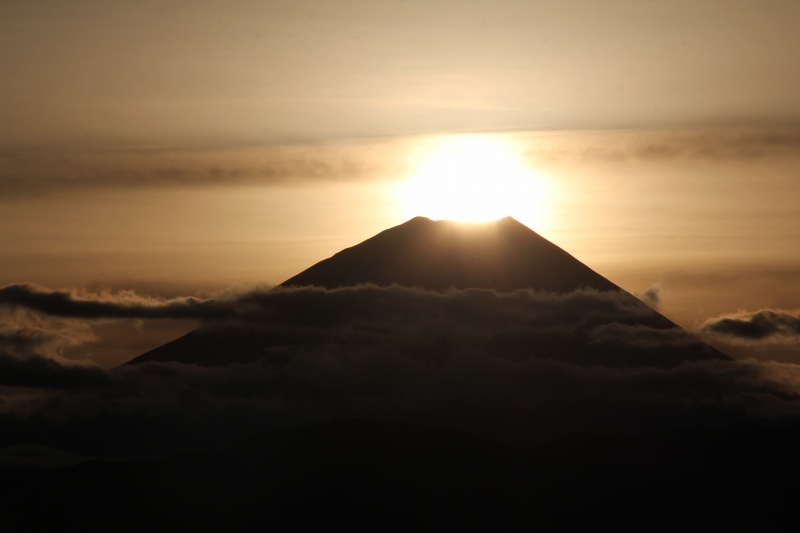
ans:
(501, 256)
(442, 395)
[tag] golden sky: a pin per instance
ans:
(88, 72)
(179, 147)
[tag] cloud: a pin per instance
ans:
(33, 173)
(155, 408)
(363, 311)
(652, 296)
(730, 144)
(75, 304)
(757, 326)
(28, 173)
(722, 145)
(643, 336)
(45, 373)
(517, 366)
(24, 332)
(586, 326)
(320, 306)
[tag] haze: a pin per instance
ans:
(370, 265)
(179, 148)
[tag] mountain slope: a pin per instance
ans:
(500, 256)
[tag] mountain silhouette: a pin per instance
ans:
(501, 256)
(424, 436)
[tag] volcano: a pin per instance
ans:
(499, 257)
(502, 255)
(429, 376)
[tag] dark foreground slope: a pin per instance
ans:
(500, 256)
(361, 475)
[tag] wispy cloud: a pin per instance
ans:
(28, 173)
(82, 305)
(31, 173)
(734, 144)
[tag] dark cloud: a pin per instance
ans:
(25, 174)
(501, 365)
(482, 308)
(733, 144)
(517, 323)
(98, 306)
(45, 373)
(23, 332)
(760, 325)
(642, 336)
(22, 340)
(159, 407)
(722, 145)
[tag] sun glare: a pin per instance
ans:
(473, 179)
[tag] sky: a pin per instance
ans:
(201, 148)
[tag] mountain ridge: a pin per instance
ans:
(502, 256)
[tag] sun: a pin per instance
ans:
(473, 178)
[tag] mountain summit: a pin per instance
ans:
(502, 255)
(432, 289)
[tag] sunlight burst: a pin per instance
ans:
(474, 178)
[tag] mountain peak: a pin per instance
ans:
(438, 254)
(502, 255)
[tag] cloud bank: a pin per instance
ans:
(159, 407)
(517, 324)
(24, 174)
(739, 145)
(34, 173)
(766, 324)
(82, 305)
(494, 364)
